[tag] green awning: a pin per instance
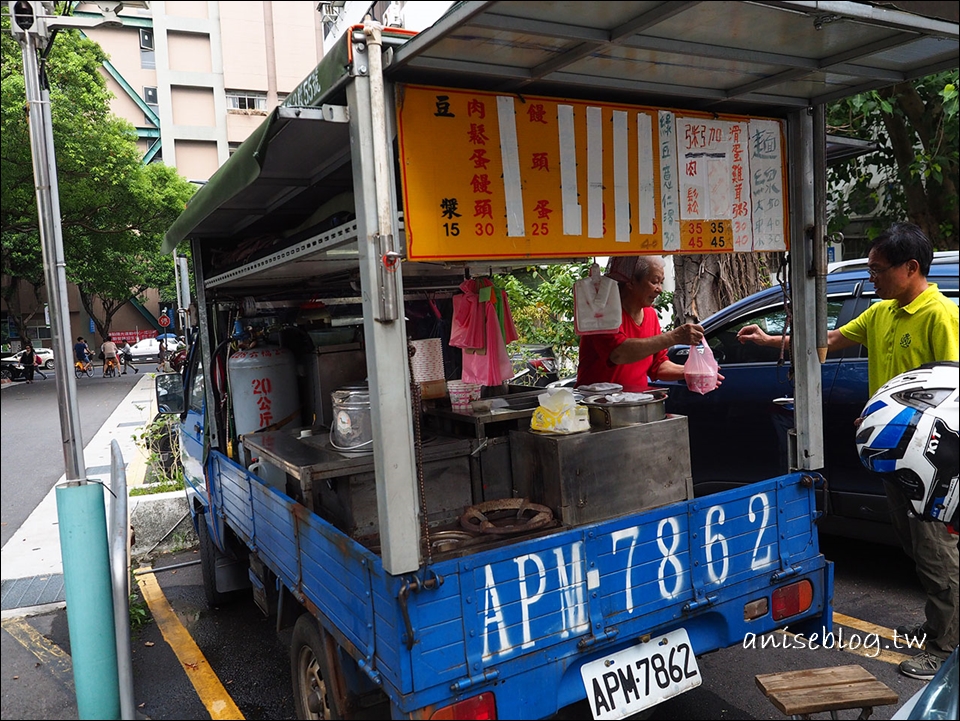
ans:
(274, 166)
(234, 176)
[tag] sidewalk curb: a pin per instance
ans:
(160, 521)
(35, 548)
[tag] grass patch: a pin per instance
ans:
(161, 441)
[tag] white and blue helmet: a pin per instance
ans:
(909, 432)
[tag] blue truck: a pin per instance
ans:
(449, 562)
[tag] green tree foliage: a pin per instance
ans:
(541, 302)
(114, 210)
(913, 176)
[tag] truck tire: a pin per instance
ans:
(311, 653)
(209, 553)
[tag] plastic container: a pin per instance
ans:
(462, 394)
(351, 430)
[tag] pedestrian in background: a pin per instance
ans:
(162, 365)
(28, 360)
(126, 358)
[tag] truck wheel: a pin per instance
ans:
(209, 553)
(311, 653)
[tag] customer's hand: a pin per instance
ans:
(752, 334)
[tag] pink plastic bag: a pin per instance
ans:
(493, 367)
(700, 370)
(469, 319)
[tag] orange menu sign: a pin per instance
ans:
(491, 176)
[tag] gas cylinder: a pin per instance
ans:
(263, 388)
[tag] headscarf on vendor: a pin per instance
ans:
(637, 351)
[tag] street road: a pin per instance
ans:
(31, 442)
(876, 590)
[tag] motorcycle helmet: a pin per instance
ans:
(909, 432)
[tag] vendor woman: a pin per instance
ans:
(637, 352)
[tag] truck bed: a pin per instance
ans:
(488, 619)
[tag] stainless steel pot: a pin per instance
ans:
(606, 415)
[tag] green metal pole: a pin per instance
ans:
(86, 578)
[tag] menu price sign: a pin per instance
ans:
(503, 176)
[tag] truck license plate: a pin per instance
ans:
(641, 676)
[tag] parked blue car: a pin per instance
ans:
(738, 432)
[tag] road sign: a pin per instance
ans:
(164, 320)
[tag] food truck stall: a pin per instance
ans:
(445, 559)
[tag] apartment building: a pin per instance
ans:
(195, 79)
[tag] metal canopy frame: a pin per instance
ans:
(774, 59)
(731, 57)
(752, 58)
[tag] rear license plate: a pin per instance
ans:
(641, 676)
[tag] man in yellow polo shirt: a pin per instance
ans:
(914, 323)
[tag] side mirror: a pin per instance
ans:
(169, 387)
(678, 354)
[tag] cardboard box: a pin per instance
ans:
(433, 389)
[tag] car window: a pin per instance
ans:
(772, 320)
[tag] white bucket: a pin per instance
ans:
(462, 394)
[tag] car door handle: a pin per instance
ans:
(197, 428)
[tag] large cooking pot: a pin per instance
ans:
(606, 414)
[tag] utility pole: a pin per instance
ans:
(81, 517)
(30, 27)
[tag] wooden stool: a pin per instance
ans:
(801, 693)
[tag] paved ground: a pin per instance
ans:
(33, 581)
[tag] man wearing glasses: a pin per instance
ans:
(913, 324)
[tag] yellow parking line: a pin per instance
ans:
(51, 657)
(212, 693)
(882, 632)
(857, 644)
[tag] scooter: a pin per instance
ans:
(534, 366)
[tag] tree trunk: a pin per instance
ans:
(11, 295)
(932, 206)
(706, 283)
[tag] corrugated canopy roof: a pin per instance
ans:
(740, 57)
(752, 58)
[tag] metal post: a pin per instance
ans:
(820, 225)
(391, 411)
(808, 384)
(118, 524)
(80, 505)
(51, 238)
